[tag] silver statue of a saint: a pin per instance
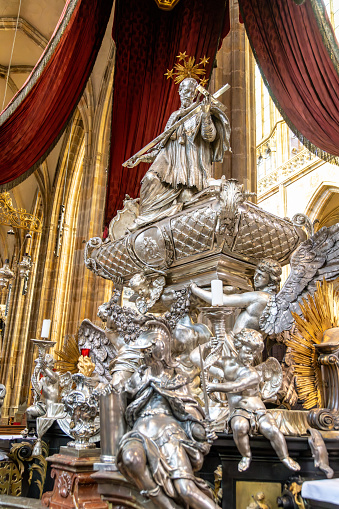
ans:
(182, 161)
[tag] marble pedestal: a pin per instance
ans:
(73, 484)
(115, 489)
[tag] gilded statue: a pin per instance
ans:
(168, 439)
(248, 414)
(182, 161)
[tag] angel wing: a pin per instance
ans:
(271, 376)
(316, 258)
(102, 351)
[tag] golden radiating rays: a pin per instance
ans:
(319, 313)
(188, 69)
(69, 356)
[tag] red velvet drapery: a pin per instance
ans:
(297, 67)
(33, 121)
(148, 41)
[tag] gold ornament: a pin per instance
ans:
(203, 82)
(166, 5)
(204, 61)
(69, 356)
(85, 365)
(17, 218)
(319, 314)
(188, 69)
(182, 56)
(169, 74)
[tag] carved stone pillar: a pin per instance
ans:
(235, 65)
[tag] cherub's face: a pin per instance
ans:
(246, 355)
(261, 279)
(143, 290)
(49, 361)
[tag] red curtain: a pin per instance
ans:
(291, 46)
(32, 123)
(148, 40)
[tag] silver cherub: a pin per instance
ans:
(248, 414)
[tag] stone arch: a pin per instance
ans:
(323, 206)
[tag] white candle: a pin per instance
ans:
(46, 325)
(217, 292)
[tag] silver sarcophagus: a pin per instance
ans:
(221, 236)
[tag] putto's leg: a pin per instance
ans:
(241, 428)
(268, 427)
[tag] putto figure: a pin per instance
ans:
(167, 440)
(47, 388)
(248, 414)
(266, 283)
(182, 161)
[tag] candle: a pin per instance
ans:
(217, 292)
(46, 325)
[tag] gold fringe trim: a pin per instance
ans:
(41, 65)
(327, 32)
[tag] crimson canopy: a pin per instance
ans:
(34, 120)
(293, 44)
(298, 55)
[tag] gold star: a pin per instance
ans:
(203, 82)
(204, 60)
(182, 56)
(169, 74)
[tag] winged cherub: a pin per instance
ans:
(248, 413)
(270, 310)
(266, 283)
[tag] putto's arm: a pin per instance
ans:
(216, 369)
(240, 300)
(238, 385)
(202, 294)
(52, 375)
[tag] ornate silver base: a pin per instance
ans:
(92, 452)
(105, 466)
